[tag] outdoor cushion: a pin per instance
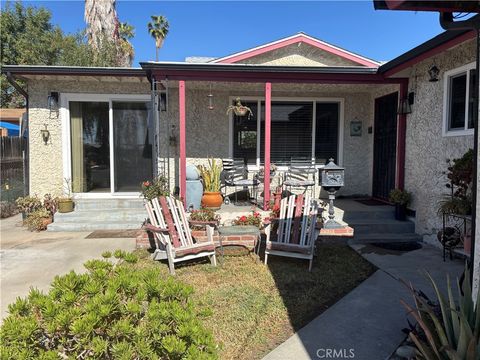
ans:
(194, 249)
(299, 182)
(273, 245)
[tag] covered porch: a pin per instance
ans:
(192, 124)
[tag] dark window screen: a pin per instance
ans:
(291, 131)
(458, 90)
(326, 132)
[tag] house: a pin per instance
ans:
(112, 128)
(11, 121)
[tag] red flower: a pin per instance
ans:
(146, 183)
(243, 218)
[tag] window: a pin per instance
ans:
(458, 100)
(295, 126)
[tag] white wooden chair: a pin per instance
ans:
(296, 230)
(174, 241)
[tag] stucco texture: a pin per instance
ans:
(427, 150)
(46, 164)
(299, 54)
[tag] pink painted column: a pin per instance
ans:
(183, 149)
(268, 120)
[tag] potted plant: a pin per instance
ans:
(204, 216)
(239, 109)
(38, 219)
(65, 204)
(212, 198)
(28, 204)
(401, 199)
(155, 188)
(253, 219)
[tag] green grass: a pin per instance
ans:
(257, 307)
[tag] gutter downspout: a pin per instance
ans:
(26, 155)
(447, 23)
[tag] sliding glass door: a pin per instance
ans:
(132, 148)
(111, 151)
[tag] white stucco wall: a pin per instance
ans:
(427, 150)
(46, 166)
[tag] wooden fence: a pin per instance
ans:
(12, 168)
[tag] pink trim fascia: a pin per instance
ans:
(445, 46)
(183, 147)
(293, 40)
(404, 6)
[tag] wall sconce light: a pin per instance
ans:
(45, 135)
(210, 99)
(411, 97)
(404, 107)
(433, 72)
(53, 100)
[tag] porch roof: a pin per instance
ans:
(263, 73)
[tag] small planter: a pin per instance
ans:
(65, 205)
(400, 212)
(212, 200)
(46, 222)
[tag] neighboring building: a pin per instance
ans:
(107, 135)
(11, 121)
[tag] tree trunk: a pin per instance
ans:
(156, 53)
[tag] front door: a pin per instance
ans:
(385, 145)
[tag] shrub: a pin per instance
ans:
(254, 219)
(400, 197)
(118, 311)
(447, 330)
(7, 209)
(38, 220)
(155, 188)
(50, 203)
(28, 204)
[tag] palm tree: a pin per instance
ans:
(158, 28)
(102, 21)
(126, 32)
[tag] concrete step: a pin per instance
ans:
(385, 238)
(103, 215)
(92, 226)
(386, 226)
(349, 216)
(106, 204)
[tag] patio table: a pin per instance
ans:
(239, 230)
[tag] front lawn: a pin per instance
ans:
(255, 308)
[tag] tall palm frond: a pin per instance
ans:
(158, 29)
(126, 31)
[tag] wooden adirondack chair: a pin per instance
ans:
(296, 229)
(174, 241)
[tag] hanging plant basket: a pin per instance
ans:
(239, 109)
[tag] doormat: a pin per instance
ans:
(371, 202)
(115, 234)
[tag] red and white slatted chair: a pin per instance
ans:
(174, 241)
(296, 230)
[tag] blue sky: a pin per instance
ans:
(218, 28)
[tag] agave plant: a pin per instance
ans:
(454, 333)
(211, 176)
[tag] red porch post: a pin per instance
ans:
(266, 165)
(183, 151)
(401, 138)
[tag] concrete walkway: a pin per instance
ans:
(34, 258)
(366, 324)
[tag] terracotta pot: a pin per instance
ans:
(46, 222)
(240, 111)
(467, 244)
(212, 200)
(65, 205)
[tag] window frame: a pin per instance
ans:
(448, 75)
(313, 100)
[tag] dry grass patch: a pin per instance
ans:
(257, 307)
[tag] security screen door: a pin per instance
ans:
(111, 151)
